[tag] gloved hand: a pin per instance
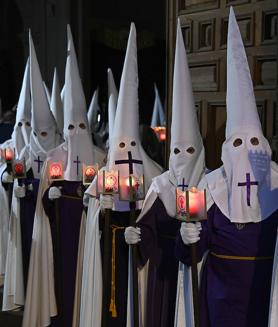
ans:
(54, 193)
(20, 191)
(132, 235)
(106, 201)
(86, 199)
(190, 233)
(7, 178)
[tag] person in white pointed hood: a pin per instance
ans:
(76, 151)
(43, 137)
(158, 116)
(20, 138)
(241, 229)
(157, 227)
(56, 104)
(124, 146)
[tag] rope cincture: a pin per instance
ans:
(112, 307)
(235, 257)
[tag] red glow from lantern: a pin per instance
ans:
(55, 170)
(19, 168)
(9, 154)
(90, 172)
(162, 136)
(110, 181)
(196, 201)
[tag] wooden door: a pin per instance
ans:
(204, 26)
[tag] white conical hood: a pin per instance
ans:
(185, 133)
(76, 128)
(125, 143)
(111, 85)
(56, 104)
(112, 104)
(45, 135)
(127, 121)
(74, 102)
(22, 129)
(42, 117)
(158, 117)
(241, 105)
(242, 187)
(47, 92)
(94, 112)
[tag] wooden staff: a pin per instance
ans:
(106, 267)
(132, 206)
(195, 288)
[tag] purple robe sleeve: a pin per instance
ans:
(183, 252)
(148, 235)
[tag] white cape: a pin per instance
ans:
(4, 223)
(92, 284)
(13, 294)
(40, 303)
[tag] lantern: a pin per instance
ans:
(160, 132)
(19, 169)
(132, 188)
(55, 171)
(8, 155)
(191, 205)
(89, 173)
(108, 182)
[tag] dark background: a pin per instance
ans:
(100, 30)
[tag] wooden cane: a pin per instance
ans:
(132, 206)
(106, 267)
(195, 288)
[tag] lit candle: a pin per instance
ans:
(108, 182)
(160, 132)
(8, 154)
(191, 204)
(132, 188)
(56, 171)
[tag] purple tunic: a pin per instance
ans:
(158, 234)
(119, 221)
(234, 292)
(65, 240)
(27, 213)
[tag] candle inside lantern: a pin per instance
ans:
(108, 182)
(160, 132)
(89, 173)
(191, 204)
(8, 154)
(19, 169)
(56, 171)
(132, 188)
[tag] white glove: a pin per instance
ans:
(20, 191)
(106, 201)
(190, 233)
(86, 199)
(54, 193)
(7, 178)
(132, 235)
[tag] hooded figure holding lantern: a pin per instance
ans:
(241, 229)
(59, 212)
(127, 156)
(157, 227)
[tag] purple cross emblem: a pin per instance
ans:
(77, 162)
(248, 185)
(182, 185)
(39, 164)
